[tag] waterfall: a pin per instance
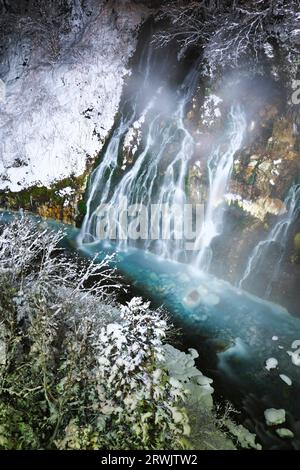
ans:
(279, 235)
(157, 175)
(220, 166)
(101, 179)
(160, 166)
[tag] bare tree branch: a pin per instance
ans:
(228, 31)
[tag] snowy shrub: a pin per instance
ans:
(77, 370)
(148, 404)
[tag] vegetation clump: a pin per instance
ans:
(77, 370)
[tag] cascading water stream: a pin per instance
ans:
(101, 178)
(279, 235)
(158, 174)
(219, 171)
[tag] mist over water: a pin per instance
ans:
(156, 111)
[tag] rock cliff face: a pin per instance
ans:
(63, 70)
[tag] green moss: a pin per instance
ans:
(81, 208)
(297, 243)
(252, 179)
(33, 197)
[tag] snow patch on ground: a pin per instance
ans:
(56, 115)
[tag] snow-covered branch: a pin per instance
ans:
(80, 370)
(228, 31)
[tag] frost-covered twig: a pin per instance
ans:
(228, 31)
(78, 370)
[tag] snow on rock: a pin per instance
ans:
(285, 433)
(245, 438)
(210, 109)
(271, 363)
(295, 357)
(285, 379)
(3, 348)
(57, 113)
(133, 137)
(67, 191)
(274, 417)
(295, 344)
(181, 367)
(259, 208)
(201, 295)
